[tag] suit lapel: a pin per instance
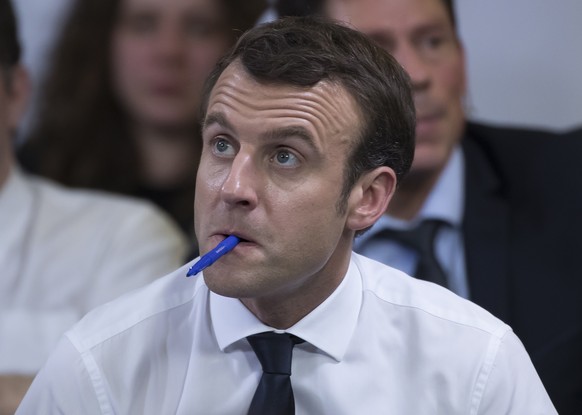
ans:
(486, 233)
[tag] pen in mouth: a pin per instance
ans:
(213, 255)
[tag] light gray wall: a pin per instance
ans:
(524, 61)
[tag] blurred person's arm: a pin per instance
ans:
(136, 246)
(145, 244)
(29, 336)
(12, 390)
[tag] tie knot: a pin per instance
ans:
(274, 351)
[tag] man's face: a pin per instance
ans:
(419, 34)
(271, 172)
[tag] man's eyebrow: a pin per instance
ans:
(291, 131)
(432, 26)
(216, 118)
(276, 134)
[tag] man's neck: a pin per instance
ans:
(286, 308)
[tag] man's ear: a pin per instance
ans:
(370, 197)
(18, 92)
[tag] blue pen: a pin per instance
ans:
(212, 256)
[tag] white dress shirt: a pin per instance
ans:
(445, 202)
(63, 252)
(382, 343)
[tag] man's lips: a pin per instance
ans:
(240, 235)
(426, 124)
(429, 117)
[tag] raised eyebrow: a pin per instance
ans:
(291, 131)
(430, 28)
(272, 135)
(216, 118)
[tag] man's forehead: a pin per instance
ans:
(325, 108)
(236, 83)
(235, 75)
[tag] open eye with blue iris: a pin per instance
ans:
(286, 158)
(223, 147)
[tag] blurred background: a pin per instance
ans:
(524, 61)
(524, 57)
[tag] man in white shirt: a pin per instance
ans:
(62, 252)
(308, 126)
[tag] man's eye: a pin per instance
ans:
(434, 46)
(222, 147)
(434, 42)
(286, 158)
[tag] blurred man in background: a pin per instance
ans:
(490, 213)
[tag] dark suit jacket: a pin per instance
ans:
(523, 243)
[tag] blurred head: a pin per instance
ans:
(306, 125)
(13, 85)
(152, 56)
(163, 50)
(127, 64)
(421, 35)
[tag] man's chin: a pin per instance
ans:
(228, 283)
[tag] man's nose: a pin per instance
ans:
(415, 65)
(240, 187)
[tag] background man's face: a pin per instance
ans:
(419, 34)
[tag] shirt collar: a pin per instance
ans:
(445, 201)
(329, 327)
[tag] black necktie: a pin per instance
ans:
(421, 239)
(274, 395)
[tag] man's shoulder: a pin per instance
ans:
(500, 133)
(142, 313)
(425, 301)
(526, 163)
(515, 148)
